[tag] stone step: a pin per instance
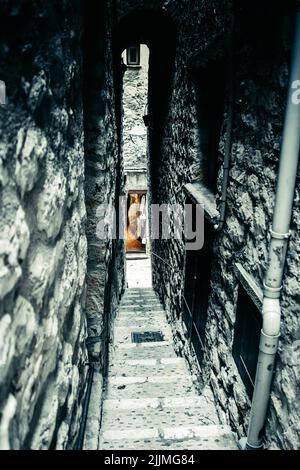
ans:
(147, 323)
(211, 437)
(145, 307)
(139, 298)
(131, 309)
(144, 314)
(149, 387)
(226, 442)
(141, 346)
(154, 350)
(149, 404)
(141, 313)
(139, 289)
(140, 295)
(139, 301)
(148, 367)
(149, 297)
(153, 323)
(166, 417)
(133, 303)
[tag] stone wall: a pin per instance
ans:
(136, 179)
(261, 58)
(104, 179)
(58, 156)
(261, 82)
(135, 97)
(43, 243)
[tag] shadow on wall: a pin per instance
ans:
(103, 173)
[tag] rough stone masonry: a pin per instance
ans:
(260, 79)
(46, 191)
(43, 243)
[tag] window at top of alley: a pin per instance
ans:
(133, 55)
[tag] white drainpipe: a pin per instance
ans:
(277, 252)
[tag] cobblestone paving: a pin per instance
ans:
(150, 399)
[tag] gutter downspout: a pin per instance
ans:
(277, 253)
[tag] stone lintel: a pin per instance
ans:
(203, 196)
(249, 284)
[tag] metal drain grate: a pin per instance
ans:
(147, 336)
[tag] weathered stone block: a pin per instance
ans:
(50, 203)
(31, 148)
(42, 269)
(38, 90)
(13, 247)
(7, 415)
(44, 430)
(7, 345)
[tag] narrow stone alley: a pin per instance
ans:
(150, 400)
(149, 225)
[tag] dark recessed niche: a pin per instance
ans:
(246, 339)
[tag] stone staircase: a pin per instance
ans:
(150, 400)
